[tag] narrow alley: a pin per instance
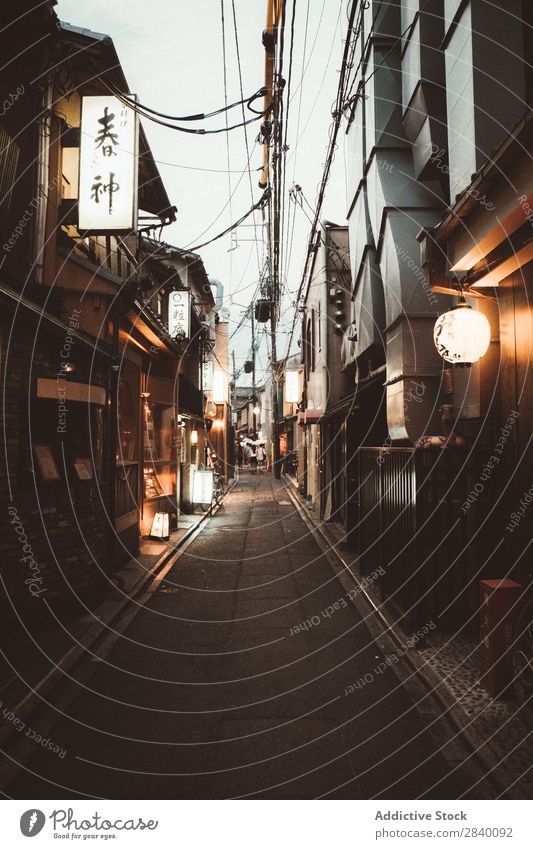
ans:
(214, 690)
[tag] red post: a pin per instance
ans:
(500, 607)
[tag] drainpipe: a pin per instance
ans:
(113, 438)
(43, 180)
(219, 286)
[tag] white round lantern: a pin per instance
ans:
(462, 335)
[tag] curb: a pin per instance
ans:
(498, 775)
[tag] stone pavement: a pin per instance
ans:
(215, 689)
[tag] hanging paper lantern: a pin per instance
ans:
(462, 335)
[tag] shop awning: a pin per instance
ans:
(310, 416)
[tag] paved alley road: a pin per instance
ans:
(211, 692)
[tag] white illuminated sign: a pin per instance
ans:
(208, 376)
(292, 387)
(202, 492)
(179, 314)
(108, 166)
(219, 387)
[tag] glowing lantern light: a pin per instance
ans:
(160, 526)
(194, 437)
(462, 335)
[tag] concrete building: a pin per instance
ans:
(328, 379)
(439, 86)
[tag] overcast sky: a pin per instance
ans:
(171, 53)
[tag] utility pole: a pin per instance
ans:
(275, 410)
(254, 398)
(234, 381)
(272, 123)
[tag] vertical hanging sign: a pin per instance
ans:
(292, 387)
(179, 313)
(207, 378)
(108, 166)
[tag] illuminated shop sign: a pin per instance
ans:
(203, 486)
(179, 314)
(108, 166)
(292, 387)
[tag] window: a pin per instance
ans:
(160, 449)
(78, 437)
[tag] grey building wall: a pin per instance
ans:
(393, 194)
(440, 84)
(484, 48)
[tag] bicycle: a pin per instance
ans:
(218, 489)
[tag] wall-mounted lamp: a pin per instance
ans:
(218, 424)
(194, 437)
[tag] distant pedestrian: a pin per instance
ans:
(253, 461)
(261, 457)
(240, 456)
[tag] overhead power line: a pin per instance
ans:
(337, 112)
(164, 120)
(199, 116)
(259, 205)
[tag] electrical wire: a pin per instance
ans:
(312, 109)
(200, 116)
(334, 129)
(224, 62)
(198, 131)
(237, 49)
(226, 205)
(260, 203)
(284, 242)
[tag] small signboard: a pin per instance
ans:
(179, 313)
(202, 492)
(207, 369)
(46, 462)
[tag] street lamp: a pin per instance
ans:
(462, 335)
